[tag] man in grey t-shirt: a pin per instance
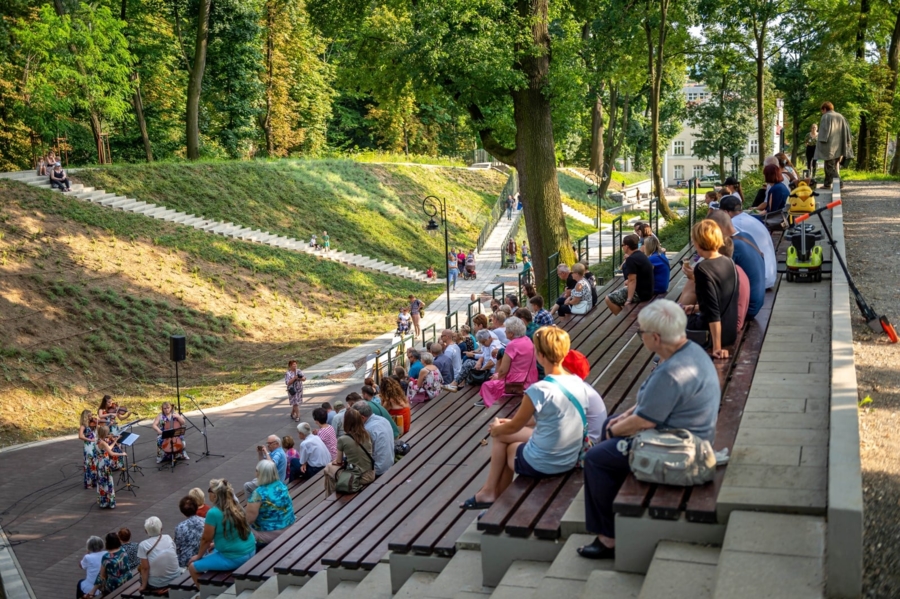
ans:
(683, 392)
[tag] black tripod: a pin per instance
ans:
(125, 479)
(206, 453)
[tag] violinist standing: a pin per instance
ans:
(110, 412)
(87, 433)
(107, 458)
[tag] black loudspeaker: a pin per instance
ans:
(177, 348)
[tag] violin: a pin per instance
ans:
(114, 408)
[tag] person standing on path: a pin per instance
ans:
(509, 207)
(833, 143)
(326, 241)
(812, 139)
(452, 269)
(512, 250)
(293, 380)
(415, 310)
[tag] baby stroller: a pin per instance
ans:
(469, 272)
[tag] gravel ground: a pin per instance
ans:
(872, 227)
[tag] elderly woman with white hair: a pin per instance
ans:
(517, 369)
(428, 384)
(90, 563)
(227, 528)
(270, 509)
(313, 454)
(158, 558)
(682, 392)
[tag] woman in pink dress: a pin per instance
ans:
(517, 369)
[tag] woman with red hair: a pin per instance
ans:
(776, 194)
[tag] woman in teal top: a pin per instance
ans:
(269, 509)
(227, 526)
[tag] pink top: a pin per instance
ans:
(326, 433)
(522, 363)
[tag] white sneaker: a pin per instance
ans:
(159, 459)
(450, 388)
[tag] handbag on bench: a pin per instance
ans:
(672, 457)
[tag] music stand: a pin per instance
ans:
(128, 439)
(137, 469)
(171, 434)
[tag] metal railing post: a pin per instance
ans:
(617, 242)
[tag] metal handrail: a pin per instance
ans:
(511, 187)
(692, 201)
(454, 318)
(617, 246)
(653, 210)
(583, 249)
(398, 350)
(433, 329)
(469, 311)
(502, 288)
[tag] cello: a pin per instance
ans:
(175, 444)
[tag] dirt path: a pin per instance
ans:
(872, 227)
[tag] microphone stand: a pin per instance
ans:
(206, 453)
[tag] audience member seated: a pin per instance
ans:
(428, 385)
(591, 280)
(400, 375)
(497, 325)
(331, 412)
(382, 436)
(751, 230)
(558, 408)
(525, 315)
(188, 531)
(776, 195)
(480, 322)
(748, 259)
(564, 274)
(542, 317)
(413, 358)
(226, 529)
(270, 509)
(638, 273)
(337, 423)
(579, 300)
(325, 432)
(130, 548)
(354, 449)
(743, 300)
(451, 350)
(114, 570)
(270, 451)
(647, 233)
(159, 559)
(442, 362)
(682, 392)
(661, 267)
(479, 370)
(200, 498)
(517, 369)
(58, 178)
(314, 455)
(377, 408)
(290, 453)
(711, 199)
(394, 400)
(711, 303)
(90, 563)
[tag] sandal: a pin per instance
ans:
(473, 504)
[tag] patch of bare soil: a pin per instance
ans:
(872, 228)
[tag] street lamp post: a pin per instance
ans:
(432, 206)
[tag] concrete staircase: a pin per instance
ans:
(117, 202)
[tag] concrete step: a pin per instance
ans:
(183, 218)
(522, 580)
(268, 590)
(376, 584)
(120, 202)
(681, 570)
(461, 575)
(417, 586)
(315, 588)
(779, 556)
(609, 584)
(344, 590)
(97, 197)
(112, 200)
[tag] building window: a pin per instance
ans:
(679, 172)
(698, 171)
(692, 96)
(678, 148)
(754, 147)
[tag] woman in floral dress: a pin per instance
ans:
(107, 456)
(87, 433)
(114, 570)
(293, 379)
(109, 413)
(428, 384)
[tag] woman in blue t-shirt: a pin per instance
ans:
(555, 442)
(776, 195)
(227, 526)
(660, 262)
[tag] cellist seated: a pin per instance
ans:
(173, 447)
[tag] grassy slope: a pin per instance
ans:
(89, 296)
(370, 209)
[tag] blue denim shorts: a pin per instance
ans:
(216, 562)
(523, 468)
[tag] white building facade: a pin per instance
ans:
(679, 161)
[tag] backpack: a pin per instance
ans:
(672, 457)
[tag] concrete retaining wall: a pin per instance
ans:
(844, 560)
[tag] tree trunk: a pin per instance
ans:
(535, 150)
(760, 100)
(656, 62)
(615, 139)
(894, 66)
(862, 144)
(270, 59)
(861, 28)
(195, 83)
(596, 165)
(139, 114)
(721, 164)
(895, 163)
